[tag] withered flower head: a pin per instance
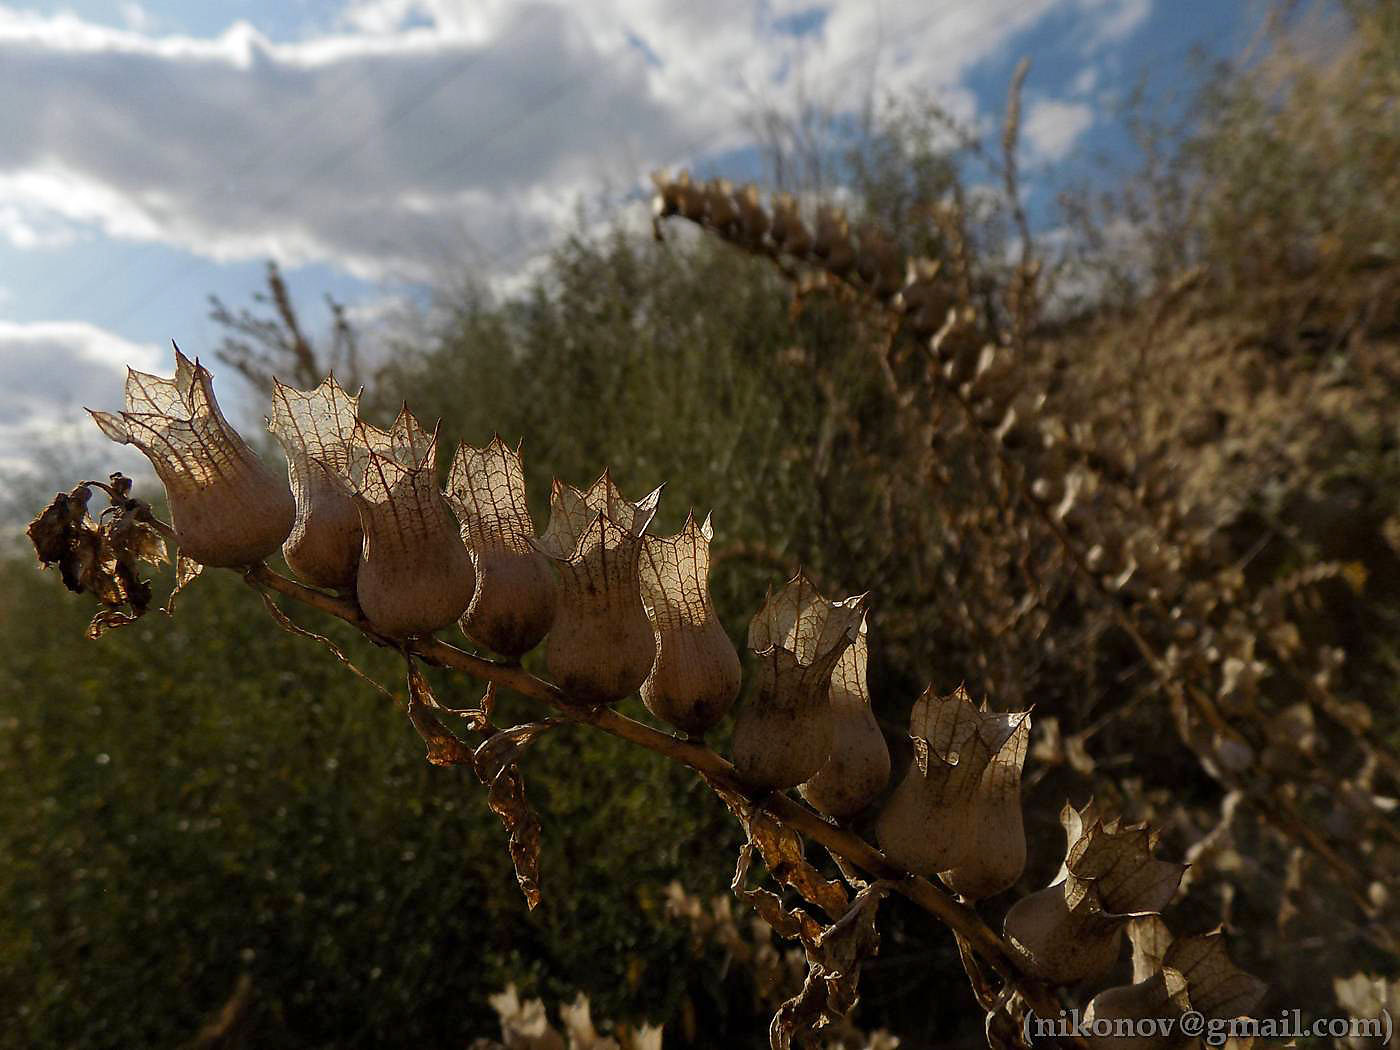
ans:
(414, 576)
(1072, 929)
(228, 508)
(783, 733)
(315, 429)
(601, 646)
(513, 606)
(696, 676)
(859, 766)
(934, 821)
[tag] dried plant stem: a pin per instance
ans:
(1284, 816)
(962, 920)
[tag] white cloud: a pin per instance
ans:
(1112, 21)
(1052, 127)
(422, 131)
(49, 372)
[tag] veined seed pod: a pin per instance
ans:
(696, 675)
(788, 232)
(513, 605)
(1140, 1016)
(783, 734)
(1072, 930)
(1215, 986)
(997, 854)
(601, 646)
(415, 575)
(931, 821)
(228, 508)
(315, 428)
(859, 766)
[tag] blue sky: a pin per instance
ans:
(154, 152)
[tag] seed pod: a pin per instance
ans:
(513, 605)
(788, 232)
(315, 428)
(1072, 930)
(1139, 1016)
(879, 263)
(1215, 986)
(753, 220)
(832, 241)
(931, 821)
(415, 575)
(720, 209)
(783, 733)
(696, 675)
(997, 855)
(859, 766)
(601, 646)
(227, 507)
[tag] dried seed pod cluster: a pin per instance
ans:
(1093, 469)
(601, 646)
(315, 429)
(783, 733)
(228, 508)
(696, 676)
(513, 607)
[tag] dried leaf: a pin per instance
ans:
(834, 959)
(502, 748)
(444, 747)
(781, 850)
(186, 569)
(507, 800)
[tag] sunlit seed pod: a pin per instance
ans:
(720, 209)
(788, 232)
(783, 732)
(930, 823)
(415, 575)
(753, 220)
(696, 676)
(859, 766)
(315, 429)
(665, 202)
(1072, 930)
(690, 198)
(513, 606)
(228, 508)
(997, 854)
(601, 646)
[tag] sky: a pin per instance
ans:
(153, 153)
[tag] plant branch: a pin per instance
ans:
(961, 919)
